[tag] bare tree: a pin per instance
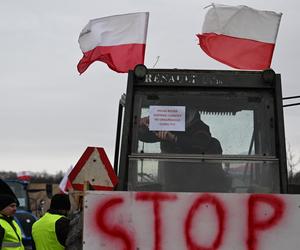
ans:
(292, 162)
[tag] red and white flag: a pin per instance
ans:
(239, 36)
(119, 41)
(24, 175)
(65, 185)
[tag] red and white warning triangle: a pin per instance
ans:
(93, 168)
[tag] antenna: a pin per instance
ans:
(157, 59)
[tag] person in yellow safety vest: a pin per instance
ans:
(51, 230)
(10, 232)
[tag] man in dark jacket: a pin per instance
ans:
(51, 230)
(196, 139)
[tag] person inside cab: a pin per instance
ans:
(196, 139)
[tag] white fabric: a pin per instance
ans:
(242, 22)
(114, 30)
(63, 185)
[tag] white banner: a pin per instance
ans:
(183, 221)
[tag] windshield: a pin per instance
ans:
(221, 141)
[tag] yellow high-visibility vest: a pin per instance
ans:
(12, 239)
(43, 233)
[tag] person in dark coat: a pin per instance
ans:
(196, 139)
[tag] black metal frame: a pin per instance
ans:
(204, 79)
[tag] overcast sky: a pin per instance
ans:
(49, 114)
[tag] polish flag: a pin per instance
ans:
(24, 175)
(239, 36)
(119, 41)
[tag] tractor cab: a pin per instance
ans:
(201, 131)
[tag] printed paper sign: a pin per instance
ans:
(167, 118)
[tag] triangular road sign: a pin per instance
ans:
(93, 168)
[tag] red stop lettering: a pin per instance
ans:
(109, 229)
(220, 212)
(255, 224)
(156, 198)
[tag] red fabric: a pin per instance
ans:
(237, 52)
(24, 177)
(120, 58)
